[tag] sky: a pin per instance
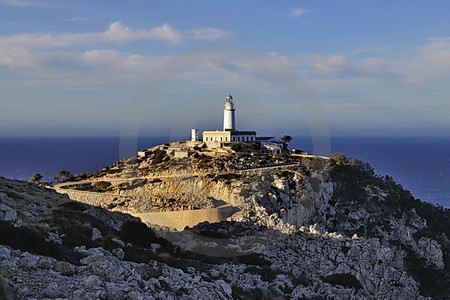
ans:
(158, 68)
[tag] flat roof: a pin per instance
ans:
(264, 138)
(234, 132)
(272, 146)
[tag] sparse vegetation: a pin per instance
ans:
(236, 147)
(352, 178)
(63, 175)
(158, 156)
(343, 279)
(36, 177)
(286, 139)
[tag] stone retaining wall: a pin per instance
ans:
(174, 219)
(91, 198)
(183, 218)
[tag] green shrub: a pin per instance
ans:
(236, 147)
(343, 279)
(339, 159)
(158, 156)
(63, 175)
(36, 177)
(26, 239)
(138, 234)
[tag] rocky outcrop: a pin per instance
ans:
(102, 275)
(309, 265)
(316, 229)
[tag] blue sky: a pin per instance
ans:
(89, 68)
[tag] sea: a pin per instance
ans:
(421, 164)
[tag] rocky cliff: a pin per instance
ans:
(307, 228)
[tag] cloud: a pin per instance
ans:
(100, 56)
(211, 34)
(75, 19)
(440, 38)
(298, 12)
(51, 54)
(331, 64)
(24, 50)
(20, 3)
(116, 33)
(431, 62)
(426, 63)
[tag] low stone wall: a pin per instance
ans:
(175, 219)
(181, 219)
(92, 198)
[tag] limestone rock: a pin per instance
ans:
(54, 238)
(119, 253)
(7, 213)
(65, 268)
(4, 253)
(431, 251)
(96, 234)
(214, 273)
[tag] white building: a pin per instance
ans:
(215, 139)
(274, 149)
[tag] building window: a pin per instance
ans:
(220, 138)
(206, 138)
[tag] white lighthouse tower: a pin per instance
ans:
(228, 115)
(229, 135)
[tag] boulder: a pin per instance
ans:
(118, 252)
(96, 234)
(65, 268)
(54, 238)
(7, 213)
(5, 253)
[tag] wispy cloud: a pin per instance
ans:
(22, 3)
(211, 34)
(75, 19)
(116, 33)
(298, 12)
(427, 63)
(445, 38)
(119, 33)
(53, 54)
(49, 53)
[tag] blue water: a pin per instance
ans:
(420, 164)
(20, 158)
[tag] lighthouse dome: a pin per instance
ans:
(229, 97)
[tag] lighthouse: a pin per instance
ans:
(229, 135)
(228, 115)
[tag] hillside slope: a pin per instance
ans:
(314, 229)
